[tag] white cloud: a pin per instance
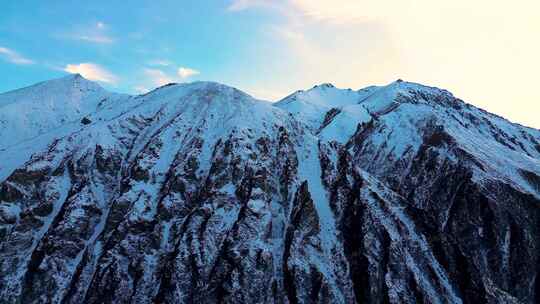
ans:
(100, 39)
(14, 57)
(92, 71)
(184, 72)
(238, 5)
(158, 77)
(100, 25)
(160, 62)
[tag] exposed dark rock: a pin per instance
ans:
(329, 116)
(86, 121)
(209, 197)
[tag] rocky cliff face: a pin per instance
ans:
(197, 193)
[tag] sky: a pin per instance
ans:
(485, 52)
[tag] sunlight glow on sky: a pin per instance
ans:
(485, 52)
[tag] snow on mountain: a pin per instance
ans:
(311, 105)
(217, 108)
(29, 112)
(401, 112)
(200, 193)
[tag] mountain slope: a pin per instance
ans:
(31, 111)
(200, 193)
(311, 105)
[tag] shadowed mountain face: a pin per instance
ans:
(198, 193)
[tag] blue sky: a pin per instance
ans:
(485, 52)
(130, 45)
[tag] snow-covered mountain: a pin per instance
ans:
(198, 193)
(32, 111)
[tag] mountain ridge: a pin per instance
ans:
(200, 193)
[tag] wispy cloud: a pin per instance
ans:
(95, 33)
(239, 5)
(92, 71)
(94, 38)
(160, 62)
(335, 12)
(326, 43)
(14, 57)
(360, 42)
(158, 77)
(345, 11)
(184, 72)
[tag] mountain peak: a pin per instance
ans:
(211, 91)
(74, 76)
(41, 107)
(324, 86)
(77, 80)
